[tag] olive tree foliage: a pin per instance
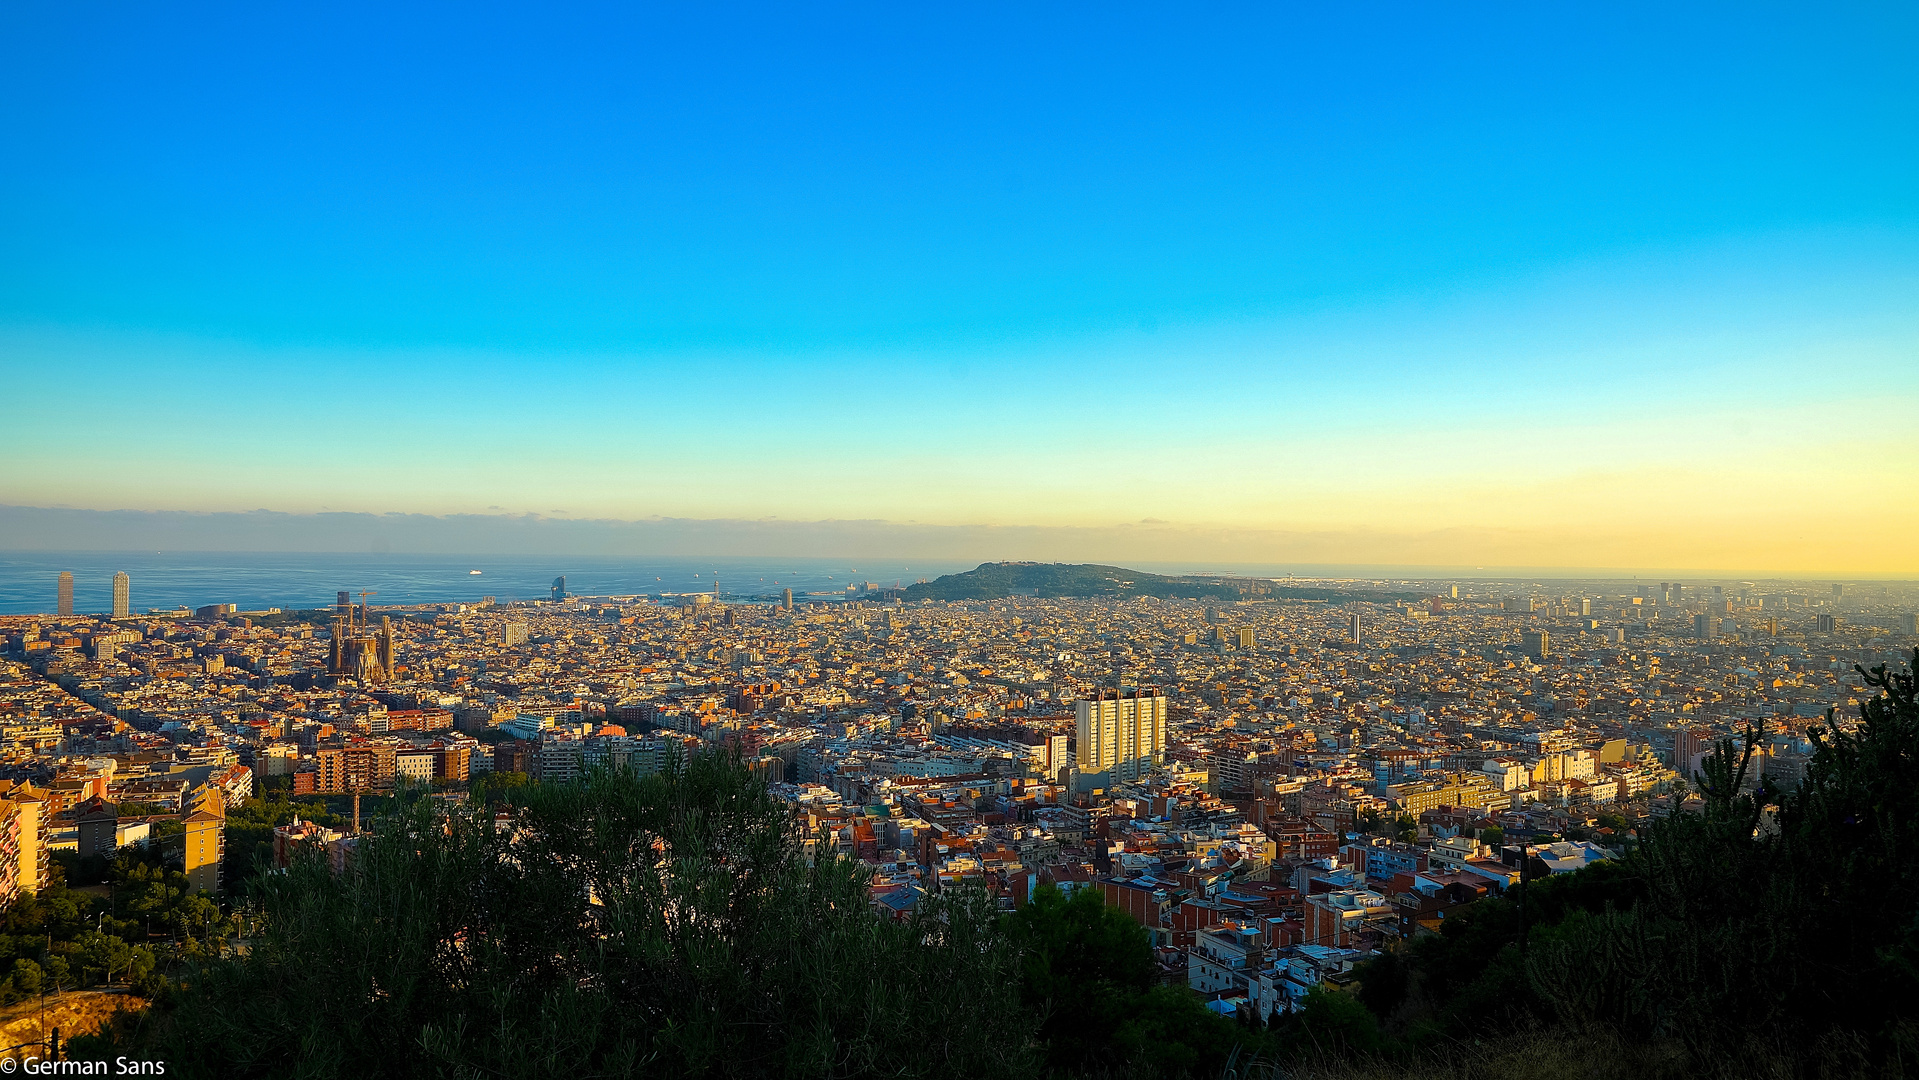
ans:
(1775, 926)
(665, 925)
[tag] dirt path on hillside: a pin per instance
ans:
(77, 1012)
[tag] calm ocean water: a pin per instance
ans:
(252, 580)
(255, 580)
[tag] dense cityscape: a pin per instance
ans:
(916, 542)
(1274, 789)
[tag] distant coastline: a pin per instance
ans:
(259, 580)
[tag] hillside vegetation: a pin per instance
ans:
(994, 581)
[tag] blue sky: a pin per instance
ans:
(1398, 271)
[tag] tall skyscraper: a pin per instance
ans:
(122, 595)
(1119, 735)
(786, 599)
(1356, 640)
(1704, 626)
(65, 601)
(559, 588)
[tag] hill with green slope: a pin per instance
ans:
(993, 581)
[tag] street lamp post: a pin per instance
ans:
(1525, 859)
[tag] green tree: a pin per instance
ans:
(1798, 943)
(1172, 1033)
(1083, 966)
(665, 925)
(102, 956)
(1383, 982)
(27, 977)
(495, 787)
(250, 825)
(1471, 977)
(1492, 836)
(59, 939)
(1331, 1023)
(1088, 973)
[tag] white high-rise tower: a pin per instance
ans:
(1119, 735)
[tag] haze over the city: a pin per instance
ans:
(1427, 287)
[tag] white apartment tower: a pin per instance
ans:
(1119, 734)
(122, 595)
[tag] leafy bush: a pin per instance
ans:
(1798, 943)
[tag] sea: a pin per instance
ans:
(255, 581)
(162, 581)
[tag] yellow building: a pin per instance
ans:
(31, 805)
(206, 842)
(1455, 789)
(9, 853)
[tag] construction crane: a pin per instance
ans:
(364, 593)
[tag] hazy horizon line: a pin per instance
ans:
(56, 531)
